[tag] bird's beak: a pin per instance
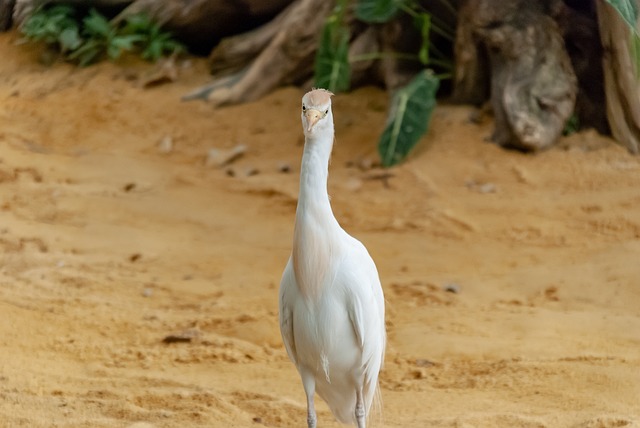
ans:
(313, 116)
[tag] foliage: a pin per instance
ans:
(411, 110)
(155, 43)
(377, 11)
(412, 105)
(628, 10)
(100, 37)
(89, 38)
(332, 69)
(54, 26)
(572, 125)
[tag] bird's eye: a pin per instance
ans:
(326, 112)
(304, 108)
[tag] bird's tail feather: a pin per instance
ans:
(342, 401)
(375, 411)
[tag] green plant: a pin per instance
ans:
(332, 69)
(409, 117)
(155, 43)
(101, 37)
(89, 38)
(572, 125)
(57, 26)
(412, 104)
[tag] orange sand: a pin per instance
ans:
(108, 245)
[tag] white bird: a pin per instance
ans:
(331, 301)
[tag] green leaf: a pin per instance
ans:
(153, 51)
(113, 51)
(628, 10)
(119, 44)
(332, 70)
(572, 125)
(60, 10)
(94, 36)
(377, 11)
(138, 23)
(88, 53)
(409, 117)
(126, 42)
(69, 39)
(96, 24)
(54, 25)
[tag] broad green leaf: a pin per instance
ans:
(332, 70)
(628, 10)
(409, 117)
(377, 11)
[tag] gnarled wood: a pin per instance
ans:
(472, 79)
(24, 8)
(203, 23)
(286, 59)
(533, 87)
(622, 84)
(234, 53)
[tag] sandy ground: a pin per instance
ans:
(108, 245)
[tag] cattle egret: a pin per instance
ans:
(331, 302)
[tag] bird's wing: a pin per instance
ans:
(287, 284)
(365, 301)
(365, 305)
(354, 308)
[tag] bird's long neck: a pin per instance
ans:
(317, 232)
(314, 172)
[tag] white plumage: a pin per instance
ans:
(331, 302)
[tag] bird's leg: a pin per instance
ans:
(311, 413)
(360, 415)
(309, 384)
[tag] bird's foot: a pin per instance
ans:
(311, 420)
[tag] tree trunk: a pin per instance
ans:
(472, 77)
(533, 86)
(621, 77)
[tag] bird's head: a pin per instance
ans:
(316, 111)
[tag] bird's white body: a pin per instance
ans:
(331, 302)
